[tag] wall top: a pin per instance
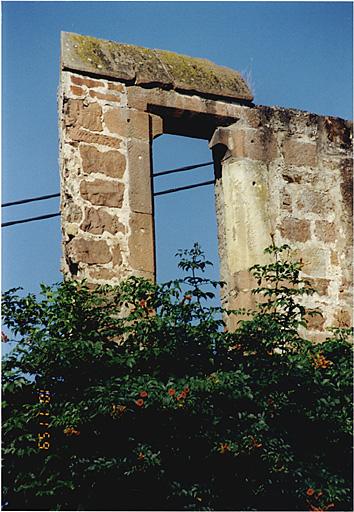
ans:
(146, 67)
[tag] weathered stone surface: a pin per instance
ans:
(77, 91)
(128, 123)
(320, 285)
(315, 322)
(141, 242)
(83, 81)
(325, 231)
(111, 163)
(295, 230)
(314, 258)
(97, 220)
(88, 251)
(346, 185)
(73, 212)
(343, 318)
(83, 116)
(103, 192)
(300, 153)
(78, 135)
(115, 87)
(140, 190)
(106, 97)
(151, 67)
(104, 274)
(315, 201)
(116, 256)
(286, 201)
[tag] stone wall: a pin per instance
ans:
(288, 173)
(278, 171)
(106, 191)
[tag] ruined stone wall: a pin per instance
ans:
(106, 198)
(288, 173)
(279, 172)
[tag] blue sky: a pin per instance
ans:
(296, 54)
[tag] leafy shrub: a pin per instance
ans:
(153, 405)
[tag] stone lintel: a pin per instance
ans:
(151, 68)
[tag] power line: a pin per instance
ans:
(170, 190)
(160, 173)
(50, 196)
(22, 221)
(180, 169)
(30, 200)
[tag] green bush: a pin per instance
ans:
(152, 405)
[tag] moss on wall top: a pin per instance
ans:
(142, 66)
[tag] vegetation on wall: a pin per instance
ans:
(137, 398)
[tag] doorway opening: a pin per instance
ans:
(188, 216)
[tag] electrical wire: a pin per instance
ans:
(180, 169)
(22, 221)
(170, 190)
(30, 200)
(50, 196)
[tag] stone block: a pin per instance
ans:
(115, 87)
(83, 116)
(343, 318)
(128, 123)
(314, 257)
(103, 192)
(104, 274)
(78, 135)
(300, 153)
(325, 231)
(250, 143)
(116, 256)
(141, 242)
(295, 230)
(83, 81)
(72, 212)
(97, 220)
(105, 97)
(91, 252)
(77, 91)
(315, 322)
(111, 163)
(319, 284)
(139, 172)
(315, 202)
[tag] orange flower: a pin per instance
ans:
(188, 297)
(310, 491)
(118, 409)
(70, 431)
(142, 303)
(319, 361)
(139, 402)
(171, 391)
(143, 394)
(224, 448)
(141, 456)
(4, 338)
(182, 395)
(255, 443)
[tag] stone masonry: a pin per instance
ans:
(278, 171)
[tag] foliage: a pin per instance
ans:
(154, 405)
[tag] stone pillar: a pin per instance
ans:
(107, 206)
(243, 214)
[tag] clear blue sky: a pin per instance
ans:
(299, 54)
